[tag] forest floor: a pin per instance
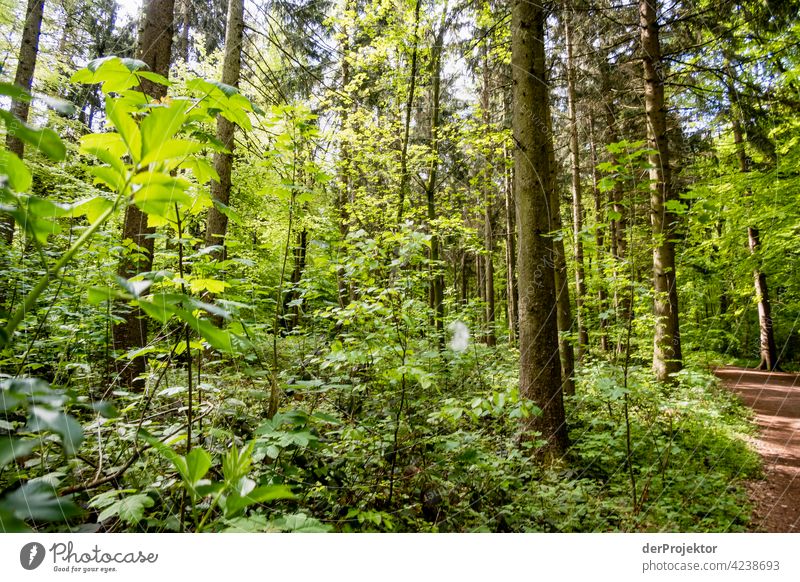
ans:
(775, 400)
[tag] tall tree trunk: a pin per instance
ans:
(344, 194)
(155, 46)
(577, 205)
(667, 357)
(436, 291)
(217, 226)
(564, 319)
(540, 373)
(599, 238)
(404, 177)
(768, 348)
(183, 46)
(618, 224)
(488, 234)
(511, 252)
(23, 77)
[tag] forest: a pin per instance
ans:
(395, 265)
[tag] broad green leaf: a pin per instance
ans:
(300, 523)
(159, 193)
(16, 92)
(45, 140)
(109, 177)
(129, 509)
(45, 419)
(202, 170)
(107, 147)
(92, 208)
(159, 127)
(119, 114)
(36, 500)
(198, 462)
(171, 149)
(12, 448)
(234, 503)
(114, 73)
(216, 337)
(15, 171)
(154, 77)
(214, 286)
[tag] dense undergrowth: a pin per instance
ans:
(336, 458)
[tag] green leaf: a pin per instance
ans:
(160, 126)
(45, 419)
(174, 148)
(214, 286)
(216, 337)
(12, 448)
(198, 462)
(105, 409)
(159, 193)
(92, 208)
(36, 500)
(202, 170)
(129, 509)
(119, 114)
(107, 147)
(300, 523)
(114, 73)
(234, 503)
(45, 140)
(16, 92)
(15, 171)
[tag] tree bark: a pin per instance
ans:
(183, 47)
(488, 234)
(767, 346)
(404, 177)
(667, 357)
(564, 320)
(577, 204)
(436, 291)
(217, 226)
(23, 77)
(599, 239)
(155, 47)
(539, 368)
(511, 253)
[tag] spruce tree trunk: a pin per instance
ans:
(23, 77)
(577, 204)
(667, 357)
(511, 255)
(488, 234)
(404, 177)
(564, 319)
(155, 47)
(767, 347)
(599, 234)
(217, 226)
(436, 290)
(540, 374)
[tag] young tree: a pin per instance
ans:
(155, 47)
(667, 358)
(540, 375)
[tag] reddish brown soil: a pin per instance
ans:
(775, 399)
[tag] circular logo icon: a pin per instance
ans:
(31, 555)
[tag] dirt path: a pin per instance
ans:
(775, 398)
